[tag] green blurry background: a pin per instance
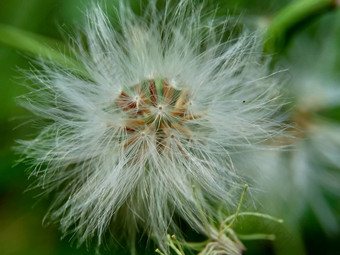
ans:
(21, 213)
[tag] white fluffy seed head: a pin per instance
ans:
(166, 105)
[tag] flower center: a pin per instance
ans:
(156, 110)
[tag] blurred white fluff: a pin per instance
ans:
(292, 181)
(166, 104)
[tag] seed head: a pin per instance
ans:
(167, 103)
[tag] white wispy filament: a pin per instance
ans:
(167, 103)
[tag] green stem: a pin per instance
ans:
(292, 16)
(223, 228)
(258, 236)
(255, 214)
(194, 246)
(201, 212)
(39, 46)
(159, 252)
(173, 246)
(173, 237)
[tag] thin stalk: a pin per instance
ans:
(173, 237)
(222, 226)
(258, 236)
(194, 246)
(292, 16)
(201, 212)
(159, 252)
(255, 214)
(173, 246)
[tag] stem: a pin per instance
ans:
(255, 214)
(194, 246)
(173, 237)
(222, 227)
(159, 252)
(292, 16)
(201, 212)
(258, 236)
(39, 46)
(173, 246)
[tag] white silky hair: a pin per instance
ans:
(78, 155)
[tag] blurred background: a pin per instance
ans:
(311, 54)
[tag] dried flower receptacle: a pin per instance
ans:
(157, 112)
